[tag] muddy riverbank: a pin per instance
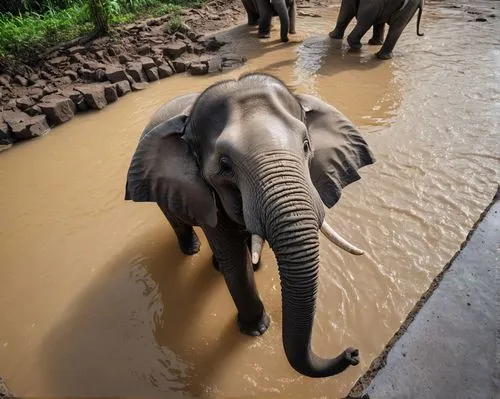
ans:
(67, 81)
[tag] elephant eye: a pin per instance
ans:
(225, 165)
(307, 148)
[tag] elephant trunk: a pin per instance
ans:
(291, 228)
(282, 11)
(419, 16)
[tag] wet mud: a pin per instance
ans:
(98, 300)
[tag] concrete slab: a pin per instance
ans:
(451, 349)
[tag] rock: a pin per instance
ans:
(181, 65)
(134, 69)
(100, 75)
(34, 110)
(157, 60)
(214, 64)
(94, 95)
(93, 65)
(110, 93)
(6, 138)
(11, 105)
(86, 73)
(144, 50)
(147, 63)
(124, 58)
(5, 81)
(164, 71)
(58, 60)
(77, 49)
(152, 74)
(33, 78)
(174, 49)
(212, 44)
(122, 87)
(46, 76)
(198, 49)
(64, 80)
(24, 126)
(49, 89)
(113, 51)
(77, 58)
(72, 74)
(41, 83)
(115, 74)
(77, 98)
(21, 80)
(58, 109)
(180, 36)
(24, 102)
(139, 86)
(197, 68)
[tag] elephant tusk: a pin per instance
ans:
(335, 238)
(257, 244)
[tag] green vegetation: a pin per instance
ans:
(29, 26)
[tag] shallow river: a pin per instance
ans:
(97, 300)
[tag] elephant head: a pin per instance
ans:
(250, 151)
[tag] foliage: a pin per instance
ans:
(27, 26)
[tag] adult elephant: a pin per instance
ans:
(376, 13)
(261, 12)
(248, 159)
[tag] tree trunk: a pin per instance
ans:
(99, 17)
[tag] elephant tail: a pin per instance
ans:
(419, 16)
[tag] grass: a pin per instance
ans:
(21, 36)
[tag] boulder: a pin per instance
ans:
(198, 68)
(115, 74)
(77, 98)
(147, 63)
(125, 58)
(134, 69)
(58, 60)
(24, 102)
(139, 86)
(94, 95)
(34, 110)
(100, 75)
(214, 64)
(110, 93)
(181, 65)
(24, 126)
(21, 80)
(6, 138)
(59, 109)
(174, 49)
(93, 65)
(72, 74)
(144, 50)
(5, 81)
(152, 74)
(122, 87)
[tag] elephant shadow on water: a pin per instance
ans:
(136, 329)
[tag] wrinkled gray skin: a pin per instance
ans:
(376, 13)
(262, 11)
(248, 157)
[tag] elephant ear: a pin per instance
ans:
(164, 170)
(339, 149)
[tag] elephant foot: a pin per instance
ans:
(351, 355)
(383, 56)
(255, 329)
(354, 46)
(285, 39)
(375, 42)
(335, 34)
(263, 35)
(293, 32)
(189, 243)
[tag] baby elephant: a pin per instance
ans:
(376, 13)
(262, 11)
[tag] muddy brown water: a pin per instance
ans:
(97, 300)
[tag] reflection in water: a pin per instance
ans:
(97, 300)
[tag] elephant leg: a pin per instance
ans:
(378, 35)
(253, 17)
(346, 14)
(233, 258)
(293, 16)
(189, 242)
(256, 267)
(354, 38)
(395, 30)
(266, 15)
